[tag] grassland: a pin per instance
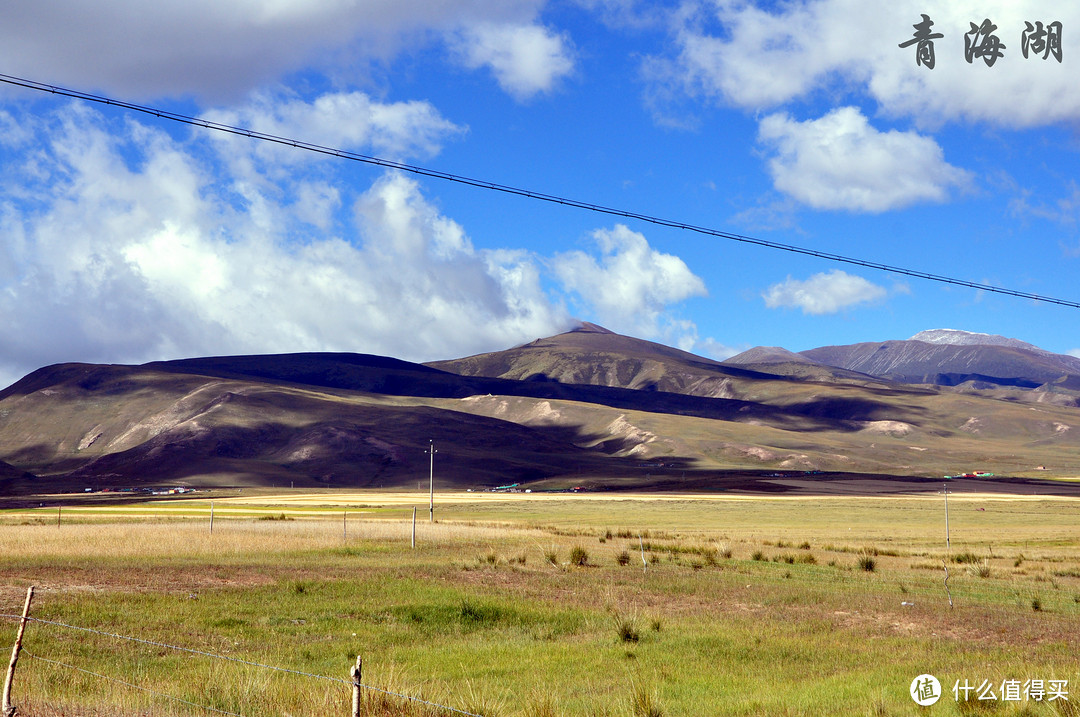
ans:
(742, 606)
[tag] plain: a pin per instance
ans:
(515, 604)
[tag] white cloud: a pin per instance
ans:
(714, 349)
(124, 244)
(1064, 210)
(347, 120)
(129, 250)
(526, 59)
(631, 286)
(221, 49)
(825, 293)
(840, 162)
(735, 52)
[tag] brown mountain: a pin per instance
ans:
(591, 355)
(781, 362)
(959, 359)
(588, 406)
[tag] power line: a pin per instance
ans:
(508, 189)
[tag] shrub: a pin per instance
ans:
(578, 556)
(980, 569)
(966, 557)
(623, 558)
(552, 556)
(757, 555)
(1036, 604)
(280, 516)
(867, 563)
(805, 545)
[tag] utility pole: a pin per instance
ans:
(431, 480)
(948, 547)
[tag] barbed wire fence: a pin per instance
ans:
(356, 685)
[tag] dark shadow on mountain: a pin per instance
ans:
(852, 411)
(955, 379)
(473, 452)
(377, 374)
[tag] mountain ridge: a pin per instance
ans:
(585, 407)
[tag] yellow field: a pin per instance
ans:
(745, 605)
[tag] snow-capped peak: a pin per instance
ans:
(956, 337)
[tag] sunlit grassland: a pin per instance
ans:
(754, 606)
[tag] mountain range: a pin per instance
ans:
(585, 408)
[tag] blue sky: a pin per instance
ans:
(124, 238)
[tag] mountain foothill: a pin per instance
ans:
(584, 410)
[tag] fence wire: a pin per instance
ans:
(130, 684)
(154, 643)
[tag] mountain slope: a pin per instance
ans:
(142, 425)
(638, 414)
(949, 364)
(593, 356)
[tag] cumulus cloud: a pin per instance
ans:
(345, 120)
(629, 287)
(840, 162)
(738, 53)
(526, 59)
(120, 252)
(825, 293)
(126, 244)
(222, 49)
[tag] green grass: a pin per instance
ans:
(478, 618)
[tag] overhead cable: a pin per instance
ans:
(508, 189)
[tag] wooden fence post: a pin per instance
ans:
(8, 708)
(356, 671)
(414, 526)
(211, 517)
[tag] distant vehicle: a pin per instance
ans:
(974, 474)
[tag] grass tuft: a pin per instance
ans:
(644, 702)
(625, 627)
(980, 569)
(579, 556)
